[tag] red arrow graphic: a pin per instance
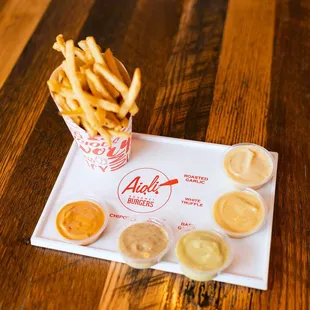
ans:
(170, 182)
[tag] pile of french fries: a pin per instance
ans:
(93, 89)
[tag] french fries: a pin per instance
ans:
(111, 78)
(110, 61)
(93, 89)
(95, 50)
(130, 97)
(94, 80)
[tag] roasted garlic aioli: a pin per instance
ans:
(247, 164)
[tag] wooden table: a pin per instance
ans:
(218, 71)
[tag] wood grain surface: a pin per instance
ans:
(288, 132)
(242, 87)
(219, 71)
(18, 19)
(190, 72)
(26, 86)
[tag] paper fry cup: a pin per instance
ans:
(97, 154)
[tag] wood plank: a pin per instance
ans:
(22, 98)
(41, 276)
(26, 85)
(240, 107)
(18, 19)
(154, 23)
(128, 288)
(184, 98)
(242, 89)
(288, 133)
(36, 278)
(181, 88)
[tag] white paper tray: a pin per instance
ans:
(170, 159)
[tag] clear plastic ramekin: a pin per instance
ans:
(236, 235)
(143, 263)
(250, 185)
(206, 275)
(74, 197)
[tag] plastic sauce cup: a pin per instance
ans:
(85, 197)
(236, 235)
(143, 263)
(250, 185)
(206, 275)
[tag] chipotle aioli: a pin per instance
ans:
(80, 220)
(247, 164)
(143, 241)
(239, 212)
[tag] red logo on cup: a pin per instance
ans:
(145, 190)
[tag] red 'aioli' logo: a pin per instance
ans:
(135, 186)
(145, 190)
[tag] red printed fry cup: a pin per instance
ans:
(97, 154)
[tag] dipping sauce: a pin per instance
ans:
(239, 212)
(143, 241)
(80, 220)
(201, 254)
(248, 164)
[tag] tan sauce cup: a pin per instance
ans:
(234, 179)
